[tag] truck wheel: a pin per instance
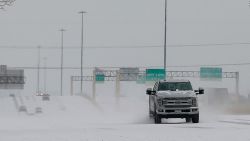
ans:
(157, 119)
(195, 118)
(188, 120)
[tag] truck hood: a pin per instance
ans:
(176, 94)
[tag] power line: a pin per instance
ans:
(143, 67)
(133, 46)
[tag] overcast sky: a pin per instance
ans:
(127, 23)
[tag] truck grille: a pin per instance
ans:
(177, 102)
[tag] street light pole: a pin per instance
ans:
(38, 71)
(165, 37)
(82, 12)
(45, 75)
(61, 89)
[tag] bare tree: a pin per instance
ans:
(6, 3)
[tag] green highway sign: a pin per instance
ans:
(155, 74)
(210, 73)
(100, 78)
(99, 75)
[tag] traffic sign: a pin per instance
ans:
(210, 73)
(155, 74)
(11, 78)
(129, 74)
(100, 78)
(99, 75)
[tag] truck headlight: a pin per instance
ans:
(194, 102)
(159, 101)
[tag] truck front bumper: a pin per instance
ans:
(177, 112)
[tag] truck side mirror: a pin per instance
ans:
(149, 91)
(200, 91)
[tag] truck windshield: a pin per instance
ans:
(173, 86)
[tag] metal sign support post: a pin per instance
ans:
(237, 77)
(71, 87)
(94, 85)
(117, 85)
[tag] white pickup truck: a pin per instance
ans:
(174, 99)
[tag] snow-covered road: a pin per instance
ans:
(108, 119)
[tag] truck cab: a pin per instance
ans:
(174, 99)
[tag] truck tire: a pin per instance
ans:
(150, 113)
(188, 120)
(157, 119)
(195, 118)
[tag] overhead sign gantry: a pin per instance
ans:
(140, 77)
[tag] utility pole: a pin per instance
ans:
(82, 12)
(38, 71)
(165, 37)
(61, 89)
